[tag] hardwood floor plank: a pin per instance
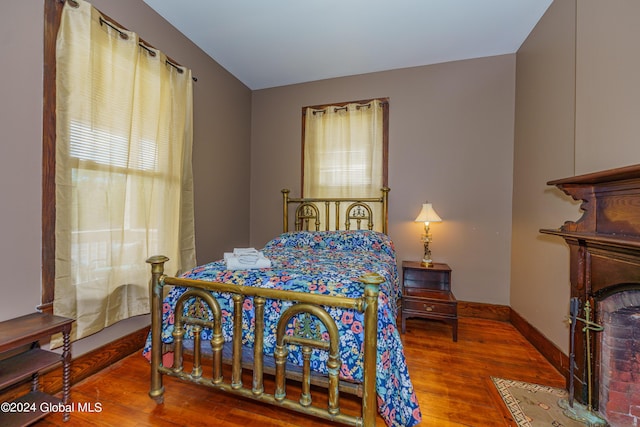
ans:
(452, 382)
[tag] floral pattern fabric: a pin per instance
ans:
(327, 263)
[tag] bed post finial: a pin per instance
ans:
(285, 210)
(385, 209)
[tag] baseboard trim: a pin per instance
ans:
(549, 350)
(484, 311)
(86, 365)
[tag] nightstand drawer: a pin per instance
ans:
(429, 306)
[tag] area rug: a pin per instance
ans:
(533, 405)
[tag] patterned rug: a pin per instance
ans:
(533, 405)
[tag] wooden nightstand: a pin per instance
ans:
(426, 293)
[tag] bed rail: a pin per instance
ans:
(308, 214)
(305, 304)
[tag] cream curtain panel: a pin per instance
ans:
(343, 152)
(124, 187)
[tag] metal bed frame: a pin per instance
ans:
(307, 215)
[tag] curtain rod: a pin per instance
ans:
(365, 103)
(143, 44)
(345, 107)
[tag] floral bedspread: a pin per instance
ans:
(324, 263)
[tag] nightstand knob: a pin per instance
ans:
(428, 307)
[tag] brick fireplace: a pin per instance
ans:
(619, 393)
(604, 247)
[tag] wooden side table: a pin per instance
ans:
(426, 293)
(23, 334)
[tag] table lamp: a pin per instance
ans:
(427, 215)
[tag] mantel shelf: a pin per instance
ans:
(610, 204)
(612, 240)
(626, 173)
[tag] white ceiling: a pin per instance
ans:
(280, 42)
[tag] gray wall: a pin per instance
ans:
(577, 108)
(450, 141)
(222, 114)
(20, 157)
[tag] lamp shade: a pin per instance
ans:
(427, 214)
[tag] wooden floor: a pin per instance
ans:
(452, 381)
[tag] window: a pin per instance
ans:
(345, 149)
(117, 180)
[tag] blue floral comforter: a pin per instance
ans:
(324, 263)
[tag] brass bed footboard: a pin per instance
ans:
(309, 304)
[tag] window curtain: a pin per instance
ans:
(124, 188)
(343, 152)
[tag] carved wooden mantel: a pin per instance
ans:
(604, 249)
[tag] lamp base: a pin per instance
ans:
(426, 239)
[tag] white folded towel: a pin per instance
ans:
(245, 259)
(245, 251)
(248, 259)
(235, 263)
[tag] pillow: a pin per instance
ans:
(352, 240)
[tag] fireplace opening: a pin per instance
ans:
(619, 391)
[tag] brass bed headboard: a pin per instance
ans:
(308, 214)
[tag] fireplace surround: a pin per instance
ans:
(604, 246)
